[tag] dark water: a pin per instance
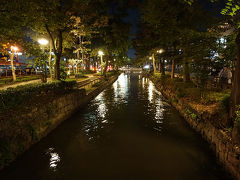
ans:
(127, 132)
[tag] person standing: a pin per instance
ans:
(225, 76)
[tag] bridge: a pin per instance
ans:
(131, 69)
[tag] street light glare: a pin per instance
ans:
(43, 41)
(14, 48)
(100, 53)
(160, 51)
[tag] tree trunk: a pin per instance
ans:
(186, 74)
(235, 93)
(57, 66)
(88, 64)
(173, 69)
(105, 69)
(58, 56)
(13, 68)
(57, 49)
(154, 64)
(44, 74)
(162, 68)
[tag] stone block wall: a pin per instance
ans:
(22, 127)
(220, 141)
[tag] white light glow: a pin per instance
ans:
(160, 51)
(150, 91)
(102, 109)
(14, 48)
(43, 41)
(100, 53)
(146, 66)
(54, 159)
(121, 87)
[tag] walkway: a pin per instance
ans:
(90, 77)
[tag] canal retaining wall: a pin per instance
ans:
(26, 126)
(220, 141)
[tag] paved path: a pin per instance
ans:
(20, 84)
(90, 76)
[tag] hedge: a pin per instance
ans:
(13, 97)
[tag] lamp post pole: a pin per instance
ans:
(160, 51)
(101, 64)
(43, 43)
(100, 53)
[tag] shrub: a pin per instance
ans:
(191, 114)
(86, 72)
(157, 75)
(98, 84)
(180, 93)
(13, 97)
(225, 103)
(237, 117)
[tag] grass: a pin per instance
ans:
(191, 92)
(213, 96)
(8, 80)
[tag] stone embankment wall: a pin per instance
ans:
(221, 142)
(25, 126)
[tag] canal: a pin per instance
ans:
(128, 131)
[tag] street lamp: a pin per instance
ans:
(43, 42)
(14, 49)
(100, 53)
(160, 51)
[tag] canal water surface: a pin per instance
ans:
(127, 132)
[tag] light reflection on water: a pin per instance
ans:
(98, 119)
(150, 92)
(121, 88)
(102, 109)
(54, 159)
(127, 131)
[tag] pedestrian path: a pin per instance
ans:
(90, 77)
(20, 84)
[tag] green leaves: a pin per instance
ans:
(190, 2)
(13, 97)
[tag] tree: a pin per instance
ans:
(54, 18)
(113, 37)
(11, 30)
(232, 12)
(173, 26)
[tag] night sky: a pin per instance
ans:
(133, 18)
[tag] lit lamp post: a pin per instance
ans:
(160, 51)
(13, 51)
(100, 53)
(43, 42)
